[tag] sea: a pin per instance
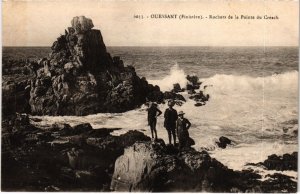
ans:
(253, 99)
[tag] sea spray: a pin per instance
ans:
(176, 75)
(278, 84)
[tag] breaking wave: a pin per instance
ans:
(285, 84)
(176, 75)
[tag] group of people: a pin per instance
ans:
(174, 122)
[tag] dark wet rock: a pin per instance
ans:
(199, 97)
(279, 183)
(193, 82)
(279, 163)
(284, 162)
(153, 93)
(82, 128)
(223, 142)
(190, 87)
(191, 92)
(200, 104)
(102, 132)
(173, 96)
(193, 79)
(295, 132)
(285, 129)
(62, 128)
(131, 137)
(177, 88)
(15, 97)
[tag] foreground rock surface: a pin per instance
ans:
(80, 158)
(155, 167)
(61, 157)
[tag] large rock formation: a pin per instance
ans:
(80, 77)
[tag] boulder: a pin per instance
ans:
(82, 24)
(193, 83)
(141, 168)
(200, 104)
(284, 162)
(223, 142)
(173, 96)
(177, 88)
(193, 79)
(199, 96)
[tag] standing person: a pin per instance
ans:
(170, 121)
(182, 127)
(153, 113)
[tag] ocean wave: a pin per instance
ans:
(176, 75)
(278, 84)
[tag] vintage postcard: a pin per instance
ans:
(150, 96)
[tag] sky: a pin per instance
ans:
(39, 23)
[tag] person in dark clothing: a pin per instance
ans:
(170, 121)
(182, 127)
(153, 113)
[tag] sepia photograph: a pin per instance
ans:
(150, 96)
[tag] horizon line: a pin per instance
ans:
(175, 46)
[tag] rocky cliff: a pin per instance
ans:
(79, 77)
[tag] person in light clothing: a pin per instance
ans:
(182, 127)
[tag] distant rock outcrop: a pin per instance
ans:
(223, 142)
(280, 163)
(80, 77)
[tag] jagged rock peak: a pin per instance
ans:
(82, 24)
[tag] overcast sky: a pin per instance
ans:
(39, 23)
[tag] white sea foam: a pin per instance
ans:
(176, 75)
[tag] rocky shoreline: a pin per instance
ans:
(80, 158)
